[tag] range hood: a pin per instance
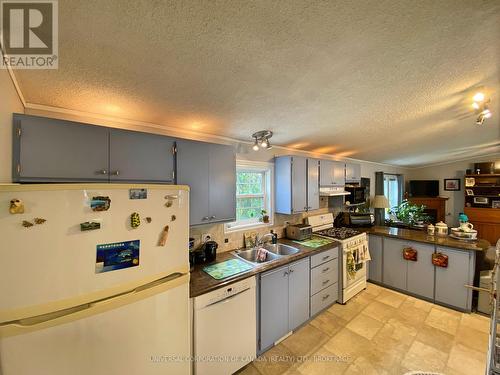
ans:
(332, 191)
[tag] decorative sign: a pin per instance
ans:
(118, 255)
(138, 193)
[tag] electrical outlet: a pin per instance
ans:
(206, 237)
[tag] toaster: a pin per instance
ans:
(299, 232)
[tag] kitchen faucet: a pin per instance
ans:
(260, 241)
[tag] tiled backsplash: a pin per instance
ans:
(235, 240)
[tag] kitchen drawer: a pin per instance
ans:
(324, 276)
(324, 256)
(324, 298)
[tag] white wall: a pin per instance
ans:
(456, 201)
(9, 103)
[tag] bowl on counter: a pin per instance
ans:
(466, 235)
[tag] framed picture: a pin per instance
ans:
(469, 191)
(470, 181)
(495, 204)
(452, 184)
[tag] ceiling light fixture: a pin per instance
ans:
(262, 140)
(480, 105)
(479, 97)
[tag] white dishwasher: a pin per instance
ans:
(225, 329)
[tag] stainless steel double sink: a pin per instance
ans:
(274, 252)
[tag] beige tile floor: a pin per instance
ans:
(381, 332)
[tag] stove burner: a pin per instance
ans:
(339, 233)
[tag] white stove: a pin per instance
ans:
(354, 253)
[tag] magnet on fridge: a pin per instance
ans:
(27, 224)
(39, 220)
(149, 220)
(90, 225)
(135, 220)
(16, 206)
(100, 203)
(163, 236)
(169, 204)
(138, 193)
(173, 218)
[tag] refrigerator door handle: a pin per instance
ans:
(43, 320)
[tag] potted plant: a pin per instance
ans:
(408, 215)
(265, 216)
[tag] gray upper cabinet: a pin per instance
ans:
(352, 172)
(273, 306)
(192, 170)
(451, 281)
(332, 173)
(296, 184)
(222, 183)
(298, 291)
(135, 156)
(394, 267)
(376, 252)
(210, 172)
(420, 279)
(312, 184)
(48, 150)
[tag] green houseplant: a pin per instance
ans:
(409, 214)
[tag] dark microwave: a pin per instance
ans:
(357, 194)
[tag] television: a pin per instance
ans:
(424, 188)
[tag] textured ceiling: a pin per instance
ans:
(385, 81)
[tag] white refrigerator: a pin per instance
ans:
(94, 279)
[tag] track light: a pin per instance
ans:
(262, 140)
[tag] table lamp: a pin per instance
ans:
(379, 203)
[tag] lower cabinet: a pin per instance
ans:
(375, 265)
(298, 293)
(324, 280)
(444, 285)
(284, 301)
(394, 268)
(420, 273)
(451, 281)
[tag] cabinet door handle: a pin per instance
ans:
(326, 257)
(115, 173)
(205, 218)
(212, 217)
(326, 269)
(326, 282)
(326, 297)
(102, 171)
(290, 272)
(285, 273)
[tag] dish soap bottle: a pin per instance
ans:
(275, 237)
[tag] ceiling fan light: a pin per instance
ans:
(255, 146)
(475, 105)
(264, 143)
(479, 97)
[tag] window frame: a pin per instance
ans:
(400, 184)
(268, 182)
